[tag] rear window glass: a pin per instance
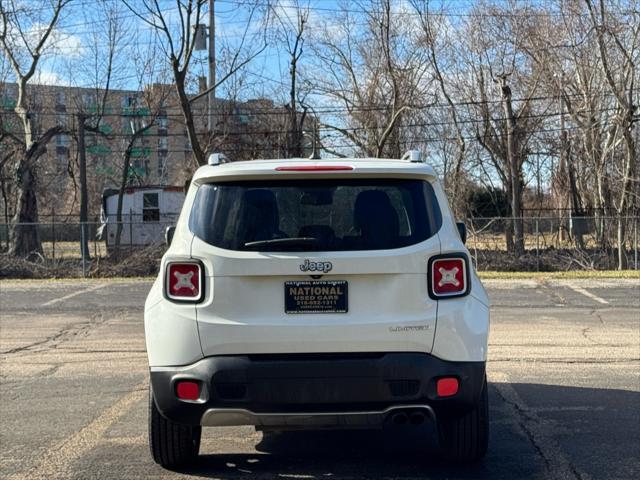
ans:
(315, 215)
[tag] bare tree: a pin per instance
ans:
(499, 66)
(24, 52)
(621, 78)
(179, 43)
(376, 71)
(106, 40)
(437, 48)
(589, 57)
(154, 99)
(291, 32)
(9, 146)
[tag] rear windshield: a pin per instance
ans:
(315, 215)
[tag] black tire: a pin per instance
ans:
(465, 438)
(172, 444)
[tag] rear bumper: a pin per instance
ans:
(314, 389)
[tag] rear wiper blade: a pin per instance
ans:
(282, 241)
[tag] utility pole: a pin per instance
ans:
(82, 159)
(212, 65)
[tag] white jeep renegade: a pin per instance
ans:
(305, 294)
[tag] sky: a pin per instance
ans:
(80, 39)
(79, 45)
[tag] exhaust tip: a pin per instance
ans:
(416, 418)
(399, 418)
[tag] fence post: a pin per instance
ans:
(130, 231)
(84, 256)
(475, 243)
(53, 234)
(635, 236)
(537, 246)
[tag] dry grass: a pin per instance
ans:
(142, 262)
(495, 241)
(569, 275)
(72, 249)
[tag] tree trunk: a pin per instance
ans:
(514, 170)
(622, 254)
(294, 136)
(123, 183)
(198, 153)
(508, 227)
(455, 201)
(84, 228)
(625, 190)
(5, 203)
(25, 239)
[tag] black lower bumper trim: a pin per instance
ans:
(316, 383)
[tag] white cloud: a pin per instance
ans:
(49, 77)
(58, 43)
(67, 44)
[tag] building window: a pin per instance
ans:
(9, 95)
(129, 101)
(62, 140)
(162, 162)
(89, 99)
(150, 208)
(61, 158)
(163, 144)
(60, 98)
(61, 120)
(163, 125)
(126, 125)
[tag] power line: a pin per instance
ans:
(249, 147)
(277, 111)
(250, 3)
(438, 13)
(251, 131)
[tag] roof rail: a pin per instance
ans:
(412, 156)
(217, 159)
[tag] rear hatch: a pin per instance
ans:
(315, 266)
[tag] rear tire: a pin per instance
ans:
(171, 444)
(465, 438)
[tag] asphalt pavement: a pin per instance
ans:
(564, 387)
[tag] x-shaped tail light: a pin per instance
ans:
(448, 276)
(184, 281)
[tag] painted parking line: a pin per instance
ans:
(74, 294)
(56, 461)
(538, 432)
(587, 294)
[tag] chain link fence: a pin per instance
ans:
(61, 236)
(558, 242)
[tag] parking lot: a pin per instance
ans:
(564, 390)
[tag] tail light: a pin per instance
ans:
(187, 390)
(314, 168)
(184, 281)
(447, 387)
(448, 276)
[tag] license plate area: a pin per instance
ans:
(320, 296)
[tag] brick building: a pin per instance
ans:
(161, 156)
